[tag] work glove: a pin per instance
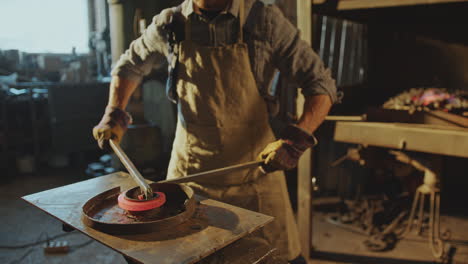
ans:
(113, 125)
(284, 153)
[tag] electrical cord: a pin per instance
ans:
(82, 245)
(38, 241)
(27, 253)
(23, 256)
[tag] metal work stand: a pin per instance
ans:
(428, 188)
(216, 229)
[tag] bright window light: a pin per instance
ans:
(54, 26)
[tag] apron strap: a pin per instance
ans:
(241, 19)
(188, 28)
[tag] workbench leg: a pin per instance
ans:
(304, 208)
(304, 168)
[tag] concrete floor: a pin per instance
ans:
(25, 224)
(342, 241)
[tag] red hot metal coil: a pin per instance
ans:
(141, 205)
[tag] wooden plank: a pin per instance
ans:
(304, 19)
(345, 118)
(452, 118)
(213, 226)
(304, 206)
(442, 140)
(304, 168)
(368, 4)
(420, 117)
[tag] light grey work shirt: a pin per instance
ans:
(273, 44)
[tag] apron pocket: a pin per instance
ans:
(204, 146)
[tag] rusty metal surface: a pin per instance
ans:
(103, 213)
(213, 226)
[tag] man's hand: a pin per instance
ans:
(113, 125)
(284, 153)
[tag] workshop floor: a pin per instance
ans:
(334, 240)
(24, 224)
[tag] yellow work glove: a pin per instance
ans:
(284, 153)
(113, 125)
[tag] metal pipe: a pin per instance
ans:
(117, 28)
(323, 36)
(341, 56)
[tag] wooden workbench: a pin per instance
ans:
(368, 4)
(443, 140)
(214, 226)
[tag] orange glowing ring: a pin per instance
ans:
(143, 205)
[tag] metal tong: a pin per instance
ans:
(206, 174)
(146, 189)
(144, 186)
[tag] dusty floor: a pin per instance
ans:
(24, 224)
(342, 241)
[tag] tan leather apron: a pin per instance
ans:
(223, 121)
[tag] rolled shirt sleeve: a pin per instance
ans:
(295, 58)
(151, 47)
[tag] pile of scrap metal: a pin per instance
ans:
(382, 213)
(419, 99)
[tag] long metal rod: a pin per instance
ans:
(215, 172)
(341, 55)
(346, 118)
(144, 187)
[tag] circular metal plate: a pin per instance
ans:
(103, 213)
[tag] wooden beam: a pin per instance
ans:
(304, 19)
(455, 119)
(441, 140)
(304, 168)
(345, 118)
(368, 4)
